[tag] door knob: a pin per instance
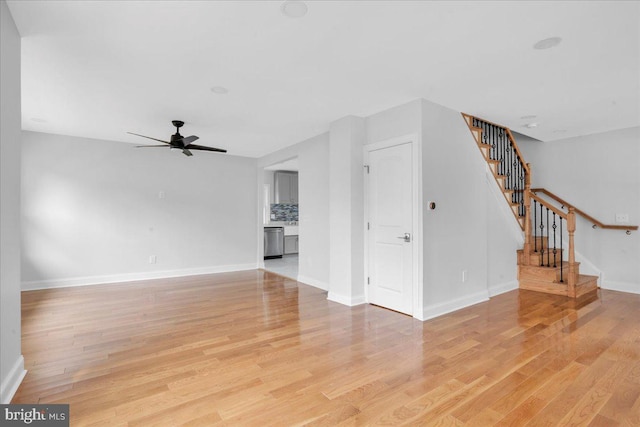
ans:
(406, 237)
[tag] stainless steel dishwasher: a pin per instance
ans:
(273, 242)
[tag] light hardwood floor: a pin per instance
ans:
(252, 348)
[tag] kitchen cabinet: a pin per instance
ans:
(291, 244)
(286, 187)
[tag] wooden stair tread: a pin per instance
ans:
(586, 284)
(544, 286)
(585, 278)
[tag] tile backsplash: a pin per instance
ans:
(284, 212)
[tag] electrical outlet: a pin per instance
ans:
(161, 194)
(152, 259)
(622, 218)
(464, 276)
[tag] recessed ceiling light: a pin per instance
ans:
(219, 90)
(294, 8)
(528, 117)
(38, 120)
(531, 125)
(547, 43)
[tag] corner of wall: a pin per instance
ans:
(11, 360)
(11, 383)
(349, 300)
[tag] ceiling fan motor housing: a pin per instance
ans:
(178, 124)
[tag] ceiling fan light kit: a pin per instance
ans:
(179, 142)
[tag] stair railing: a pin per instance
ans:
(499, 148)
(548, 226)
(542, 223)
(592, 220)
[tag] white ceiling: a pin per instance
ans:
(98, 69)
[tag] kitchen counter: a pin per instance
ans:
(289, 230)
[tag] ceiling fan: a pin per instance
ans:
(179, 142)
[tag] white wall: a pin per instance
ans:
(471, 229)
(269, 179)
(92, 212)
(600, 174)
(456, 232)
(404, 119)
(313, 194)
(346, 210)
(11, 360)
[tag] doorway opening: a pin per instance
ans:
(281, 210)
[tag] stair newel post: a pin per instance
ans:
(527, 216)
(571, 228)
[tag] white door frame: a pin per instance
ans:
(416, 160)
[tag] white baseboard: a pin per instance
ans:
(632, 288)
(313, 282)
(502, 288)
(11, 383)
(346, 300)
(436, 310)
(131, 277)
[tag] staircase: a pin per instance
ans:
(546, 263)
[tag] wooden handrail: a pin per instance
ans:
(515, 145)
(583, 213)
(548, 206)
(509, 134)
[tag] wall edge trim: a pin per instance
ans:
(131, 277)
(346, 300)
(12, 382)
(435, 310)
(628, 287)
(502, 288)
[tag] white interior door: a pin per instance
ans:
(390, 240)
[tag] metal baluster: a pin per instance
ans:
(484, 132)
(554, 240)
(548, 235)
(561, 251)
(513, 171)
(492, 150)
(513, 166)
(519, 198)
(495, 142)
(535, 228)
(508, 166)
(522, 181)
(501, 158)
(541, 238)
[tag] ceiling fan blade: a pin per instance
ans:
(203, 148)
(148, 137)
(187, 139)
(146, 146)
(186, 152)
